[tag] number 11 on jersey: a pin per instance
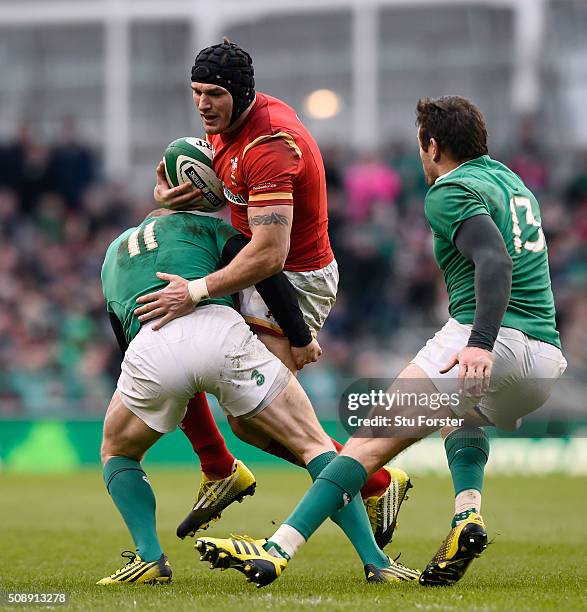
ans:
(134, 247)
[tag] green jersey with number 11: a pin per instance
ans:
(483, 186)
(182, 243)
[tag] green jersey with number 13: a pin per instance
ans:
(181, 243)
(483, 186)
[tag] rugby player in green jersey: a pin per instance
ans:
(499, 353)
(211, 349)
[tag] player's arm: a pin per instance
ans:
(269, 169)
(263, 256)
(479, 240)
(279, 295)
(276, 291)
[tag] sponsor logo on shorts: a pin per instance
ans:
(258, 377)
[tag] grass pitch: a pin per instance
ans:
(62, 533)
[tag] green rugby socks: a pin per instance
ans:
(334, 494)
(318, 464)
(467, 451)
(131, 492)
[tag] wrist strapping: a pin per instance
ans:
(198, 290)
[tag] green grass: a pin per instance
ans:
(63, 533)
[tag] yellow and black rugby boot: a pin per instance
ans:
(138, 571)
(464, 543)
(244, 554)
(395, 572)
(216, 495)
(383, 510)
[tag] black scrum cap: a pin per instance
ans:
(228, 66)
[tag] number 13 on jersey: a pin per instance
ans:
(528, 221)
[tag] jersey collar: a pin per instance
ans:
(442, 176)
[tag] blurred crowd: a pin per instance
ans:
(57, 216)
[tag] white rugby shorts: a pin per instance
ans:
(523, 374)
(316, 292)
(211, 350)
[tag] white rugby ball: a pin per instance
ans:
(190, 160)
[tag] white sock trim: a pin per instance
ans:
(469, 498)
(290, 540)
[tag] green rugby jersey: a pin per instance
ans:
(182, 243)
(483, 186)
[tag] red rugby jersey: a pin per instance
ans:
(272, 160)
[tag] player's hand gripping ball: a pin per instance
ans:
(189, 160)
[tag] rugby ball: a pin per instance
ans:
(190, 160)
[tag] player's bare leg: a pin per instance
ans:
(242, 428)
(290, 420)
(385, 490)
(239, 481)
(125, 435)
(126, 439)
(374, 451)
(200, 428)
(341, 480)
(280, 347)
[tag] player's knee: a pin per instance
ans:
(241, 429)
(372, 453)
(118, 446)
(108, 450)
(446, 431)
(105, 454)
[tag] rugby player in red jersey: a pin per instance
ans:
(274, 179)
